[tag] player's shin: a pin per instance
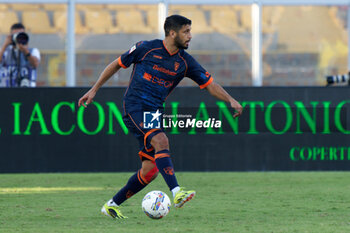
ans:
(135, 184)
(166, 168)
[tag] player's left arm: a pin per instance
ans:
(203, 78)
(219, 92)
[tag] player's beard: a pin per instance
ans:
(179, 43)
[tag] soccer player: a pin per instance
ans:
(159, 66)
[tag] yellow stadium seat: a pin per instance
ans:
(55, 7)
(60, 22)
(246, 18)
(152, 20)
(100, 22)
(7, 19)
(132, 22)
(333, 13)
(125, 7)
(148, 7)
(237, 7)
(199, 23)
(277, 13)
(215, 7)
(25, 7)
(90, 7)
(225, 21)
(172, 12)
(37, 22)
(183, 7)
(3, 7)
(267, 19)
(309, 29)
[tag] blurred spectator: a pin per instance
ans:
(18, 61)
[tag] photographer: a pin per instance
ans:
(18, 61)
(338, 79)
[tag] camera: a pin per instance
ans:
(20, 38)
(338, 79)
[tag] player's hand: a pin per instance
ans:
(86, 99)
(238, 107)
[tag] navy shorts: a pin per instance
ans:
(134, 122)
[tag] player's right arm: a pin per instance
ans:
(106, 74)
(134, 54)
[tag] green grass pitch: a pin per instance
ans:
(225, 202)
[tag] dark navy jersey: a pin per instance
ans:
(156, 73)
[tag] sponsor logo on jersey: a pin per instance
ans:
(163, 70)
(159, 81)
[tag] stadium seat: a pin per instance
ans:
(222, 7)
(123, 7)
(3, 7)
(37, 22)
(215, 7)
(90, 7)
(148, 7)
(151, 16)
(25, 7)
(339, 21)
(225, 21)
(309, 29)
(333, 11)
(246, 18)
(152, 20)
(55, 7)
(237, 7)
(7, 18)
(269, 19)
(100, 22)
(182, 7)
(199, 23)
(277, 13)
(172, 12)
(60, 22)
(132, 22)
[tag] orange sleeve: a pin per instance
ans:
(121, 63)
(207, 83)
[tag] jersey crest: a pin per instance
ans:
(176, 66)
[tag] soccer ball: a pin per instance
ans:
(156, 204)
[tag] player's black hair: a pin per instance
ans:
(17, 26)
(175, 22)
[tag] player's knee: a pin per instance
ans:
(160, 142)
(149, 172)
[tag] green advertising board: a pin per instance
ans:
(43, 130)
